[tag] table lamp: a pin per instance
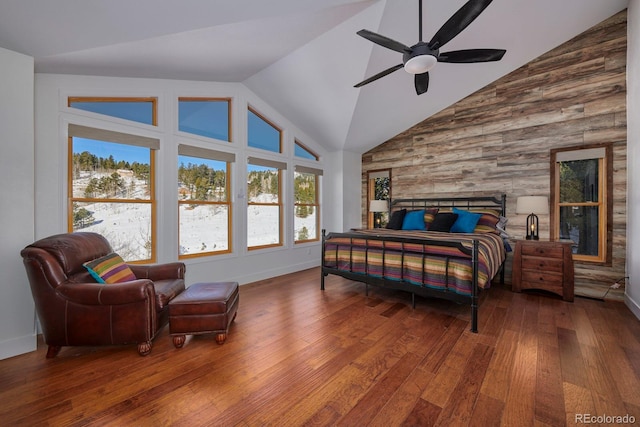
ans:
(534, 206)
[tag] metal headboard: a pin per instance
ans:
(479, 202)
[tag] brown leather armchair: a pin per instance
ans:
(75, 310)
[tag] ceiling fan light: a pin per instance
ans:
(420, 64)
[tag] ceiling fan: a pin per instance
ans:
(421, 57)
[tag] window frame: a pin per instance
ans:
(228, 159)
(281, 167)
(152, 201)
(228, 100)
(316, 204)
(604, 204)
(297, 143)
(372, 175)
(270, 123)
(98, 99)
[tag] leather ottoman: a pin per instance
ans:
(203, 308)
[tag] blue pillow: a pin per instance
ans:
(413, 220)
(466, 221)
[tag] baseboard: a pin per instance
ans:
(633, 305)
(268, 274)
(16, 346)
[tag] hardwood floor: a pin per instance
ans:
(300, 356)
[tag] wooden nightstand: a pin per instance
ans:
(545, 265)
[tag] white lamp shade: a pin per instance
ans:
(420, 64)
(532, 205)
(378, 206)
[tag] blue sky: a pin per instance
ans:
(128, 153)
(206, 118)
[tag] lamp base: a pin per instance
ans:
(532, 227)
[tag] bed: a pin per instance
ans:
(459, 250)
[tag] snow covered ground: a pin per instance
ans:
(203, 228)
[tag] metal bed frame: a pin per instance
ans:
(482, 202)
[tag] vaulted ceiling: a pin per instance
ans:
(300, 56)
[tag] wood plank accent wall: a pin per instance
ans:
(497, 140)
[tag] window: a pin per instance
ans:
(378, 188)
(141, 110)
(111, 189)
(303, 152)
(581, 200)
(208, 117)
(306, 217)
(264, 203)
(204, 206)
(263, 134)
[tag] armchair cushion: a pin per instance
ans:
(99, 294)
(110, 268)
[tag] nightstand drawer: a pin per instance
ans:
(541, 278)
(545, 264)
(556, 288)
(549, 251)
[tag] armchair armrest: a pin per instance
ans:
(172, 270)
(112, 294)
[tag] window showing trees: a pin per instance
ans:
(378, 188)
(306, 217)
(141, 110)
(204, 201)
(303, 152)
(581, 200)
(111, 189)
(264, 203)
(262, 133)
(208, 117)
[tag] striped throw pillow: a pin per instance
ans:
(109, 269)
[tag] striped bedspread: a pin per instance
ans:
(404, 259)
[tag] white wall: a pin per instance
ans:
(352, 167)
(17, 318)
(52, 117)
(632, 291)
(343, 193)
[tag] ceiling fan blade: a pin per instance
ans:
(421, 82)
(458, 22)
(472, 55)
(384, 41)
(379, 75)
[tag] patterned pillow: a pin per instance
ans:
(109, 269)
(488, 221)
(429, 216)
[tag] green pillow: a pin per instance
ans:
(109, 269)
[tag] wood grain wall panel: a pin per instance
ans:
(498, 139)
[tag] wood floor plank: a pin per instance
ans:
(520, 404)
(499, 373)
(487, 411)
(297, 355)
(574, 368)
(577, 402)
(462, 399)
(549, 398)
(450, 372)
(378, 395)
